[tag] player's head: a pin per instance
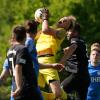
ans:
(66, 22)
(19, 33)
(74, 31)
(31, 26)
(95, 53)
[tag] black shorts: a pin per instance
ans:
(75, 82)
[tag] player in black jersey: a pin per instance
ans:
(21, 68)
(76, 63)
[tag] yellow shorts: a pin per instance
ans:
(45, 75)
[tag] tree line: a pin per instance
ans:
(17, 11)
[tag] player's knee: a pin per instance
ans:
(56, 89)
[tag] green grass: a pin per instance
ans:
(5, 90)
(4, 93)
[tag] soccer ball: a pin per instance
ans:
(38, 15)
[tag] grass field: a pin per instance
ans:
(5, 90)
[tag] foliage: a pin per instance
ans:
(17, 11)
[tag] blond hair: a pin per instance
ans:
(95, 46)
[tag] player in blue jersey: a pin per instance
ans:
(94, 71)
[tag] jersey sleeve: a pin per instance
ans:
(74, 41)
(21, 56)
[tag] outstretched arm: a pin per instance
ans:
(56, 66)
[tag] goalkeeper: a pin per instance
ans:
(47, 45)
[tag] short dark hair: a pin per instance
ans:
(19, 32)
(75, 27)
(31, 26)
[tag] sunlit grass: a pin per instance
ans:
(5, 90)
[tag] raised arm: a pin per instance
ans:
(68, 51)
(47, 30)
